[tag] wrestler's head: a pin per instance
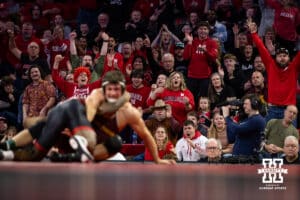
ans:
(113, 85)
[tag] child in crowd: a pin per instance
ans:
(10, 133)
(204, 115)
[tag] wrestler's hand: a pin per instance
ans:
(166, 162)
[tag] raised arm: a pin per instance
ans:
(99, 62)
(235, 30)
(187, 54)
(173, 36)
(72, 37)
(104, 47)
(155, 42)
(12, 44)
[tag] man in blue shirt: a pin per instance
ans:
(247, 134)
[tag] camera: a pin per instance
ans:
(236, 106)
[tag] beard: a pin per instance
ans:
(282, 65)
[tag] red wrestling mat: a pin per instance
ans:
(133, 180)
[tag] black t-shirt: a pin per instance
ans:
(26, 63)
(297, 161)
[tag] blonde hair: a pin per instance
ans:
(212, 130)
(169, 84)
(203, 98)
(166, 133)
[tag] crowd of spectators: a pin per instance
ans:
(185, 62)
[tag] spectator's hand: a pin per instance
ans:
(43, 112)
(153, 94)
(186, 100)
(96, 51)
(11, 97)
(127, 25)
(104, 36)
(128, 69)
(225, 111)
(72, 36)
(189, 38)
(247, 85)
(190, 142)
(270, 46)
(235, 29)
(156, 14)
(159, 90)
(200, 151)
(252, 26)
(115, 63)
(221, 71)
(133, 25)
(58, 58)
(271, 148)
(147, 42)
(153, 87)
(10, 33)
(165, 27)
(153, 17)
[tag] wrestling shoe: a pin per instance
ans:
(79, 144)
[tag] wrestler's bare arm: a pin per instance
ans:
(93, 101)
(132, 116)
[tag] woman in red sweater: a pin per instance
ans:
(176, 95)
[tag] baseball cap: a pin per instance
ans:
(3, 119)
(282, 50)
(179, 45)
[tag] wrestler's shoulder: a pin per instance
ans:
(127, 105)
(128, 108)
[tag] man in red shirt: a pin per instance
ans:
(202, 52)
(139, 93)
(282, 76)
